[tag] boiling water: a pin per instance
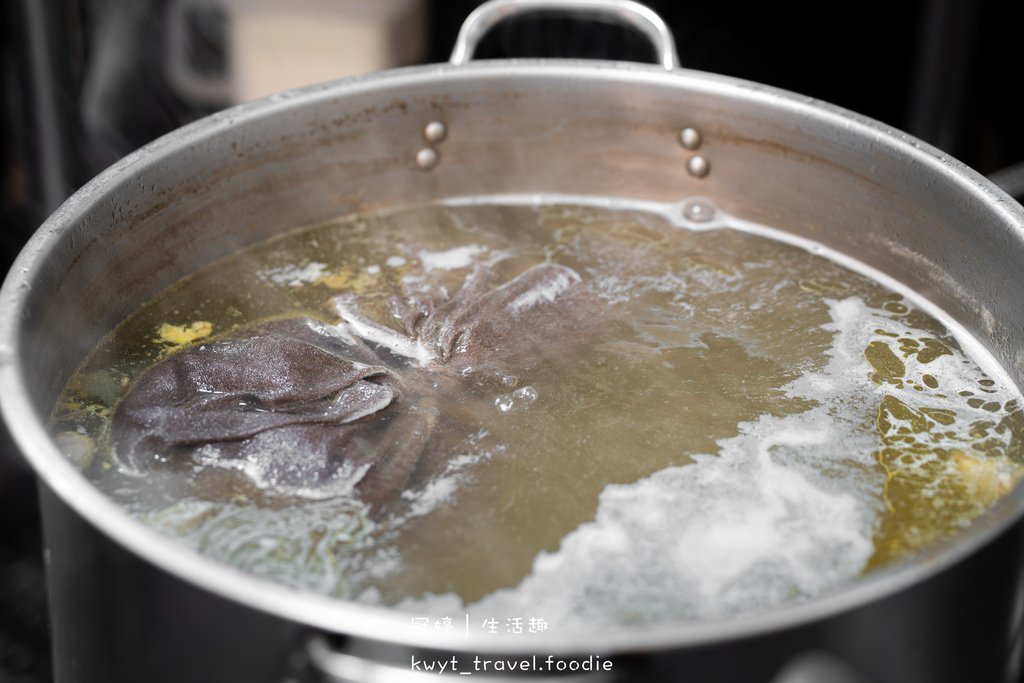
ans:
(754, 424)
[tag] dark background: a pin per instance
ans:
(81, 85)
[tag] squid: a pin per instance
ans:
(298, 402)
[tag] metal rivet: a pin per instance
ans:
(427, 158)
(690, 138)
(699, 211)
(435, 131)
(698, 166)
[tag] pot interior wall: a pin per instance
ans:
(249, 173)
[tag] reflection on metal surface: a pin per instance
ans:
(690, 138)
(435, 131)
(699, 210)
(818, 667)
(698, 166)
(427, 158)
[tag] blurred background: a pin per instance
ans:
(85, 82)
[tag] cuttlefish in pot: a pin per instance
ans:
(299, 403)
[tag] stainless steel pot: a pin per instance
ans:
(131, 605)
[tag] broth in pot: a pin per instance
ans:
(582, 416)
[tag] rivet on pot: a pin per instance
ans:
(427, 158)
(435, 131)
(690, 138)
(699, 210)
(698, 166)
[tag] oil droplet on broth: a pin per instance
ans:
(754, 425)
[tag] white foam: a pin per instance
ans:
(729, 534)
(450, 259)
(297, 545)
(548, 293)
(430, 496)
(443, 487)
(271, 452)
(785, 511)
(293, 275)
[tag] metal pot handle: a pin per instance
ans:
(624, 12)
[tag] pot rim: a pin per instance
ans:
(385, 624)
